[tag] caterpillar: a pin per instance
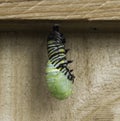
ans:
(59, 78)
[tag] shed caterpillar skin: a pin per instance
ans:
(59, 77)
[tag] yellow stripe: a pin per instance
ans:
(61, 50)
(50, 41)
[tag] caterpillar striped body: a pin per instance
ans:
(59, 77)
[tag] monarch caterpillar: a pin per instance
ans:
(59, 77)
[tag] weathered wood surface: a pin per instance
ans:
(23, 91)
(60, 9)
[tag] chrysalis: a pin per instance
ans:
(59, 77)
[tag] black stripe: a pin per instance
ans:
(67, 71)
(60, 55)
(49, 48)
(58, 62)
(51, 51)
(54, 54)
(63, 70)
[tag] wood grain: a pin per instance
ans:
(23, 90)
(60, 9)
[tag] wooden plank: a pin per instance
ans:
(60, 9)
(23, 90)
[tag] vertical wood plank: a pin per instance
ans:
(23, 90)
